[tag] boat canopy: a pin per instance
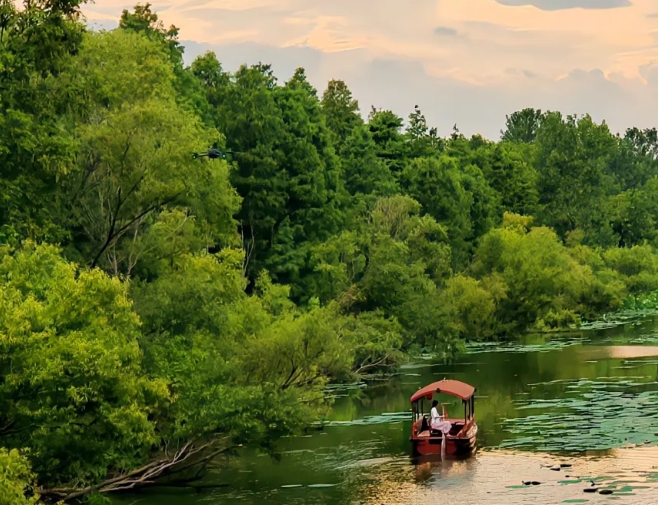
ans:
(446, 386)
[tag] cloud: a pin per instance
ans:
(556, 5)
(399, 84)
(468, 62)
(103, 24)
(444, 30)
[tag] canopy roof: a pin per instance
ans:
(446, 386)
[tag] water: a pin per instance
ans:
(588, 399)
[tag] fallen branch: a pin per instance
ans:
(381, 362)
(144, 476)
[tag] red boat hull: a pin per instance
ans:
(455, 447)
(462, 445)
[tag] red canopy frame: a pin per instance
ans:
(447, 387)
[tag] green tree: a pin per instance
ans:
(470, 306)
(16, 479)
(393, 262)
(386, 130)
(512, 174)
(134, 155)
(364, 172)
(37, 43)
(544, 285)
(73, 389)
(287, 171)
(572, 159)
(437, 184)
(341, 111)
(522, 126)
(637, 266)
(635, 214)
(190, 93)
(143, 20)
(423, 140)
(635, 161)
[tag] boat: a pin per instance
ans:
(461, 439)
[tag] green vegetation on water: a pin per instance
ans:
(592, 415)
(158, 309)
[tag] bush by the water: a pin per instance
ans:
(158, 309)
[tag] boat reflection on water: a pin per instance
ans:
(427, 466)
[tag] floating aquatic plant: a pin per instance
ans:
(600, 415)
(387, 417)
(555, 344)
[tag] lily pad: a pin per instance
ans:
(600, 415)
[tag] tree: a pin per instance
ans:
(635, 161)
(544, 286)
(512, 174)
(364, 172)
(391, 263)
(16, 479)
(143, 20)
(37, 43)
(73, 389)
(423, 141)
(470, 305)
(341, 111)
(635, 212)
(522, 126)
(212, 80)
(436, 183)
(572, 156)
(637, 267)
(287, 170)
(386, 130)
(133, 166)
(134, 155)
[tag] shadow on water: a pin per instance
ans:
(588, 398)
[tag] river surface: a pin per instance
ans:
(587, 399)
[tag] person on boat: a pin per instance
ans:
(437, 421)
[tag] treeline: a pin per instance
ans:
(158, 309)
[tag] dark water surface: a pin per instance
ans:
(588, 399)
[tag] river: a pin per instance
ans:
(587, 399)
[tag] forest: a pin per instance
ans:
(158, 309)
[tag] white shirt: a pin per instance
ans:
(435, 417)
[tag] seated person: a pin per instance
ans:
(438, 422)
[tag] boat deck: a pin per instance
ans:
(457, 425)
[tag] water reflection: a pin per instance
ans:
(497, 477)
(618, 352)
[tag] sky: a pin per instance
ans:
(463, 62)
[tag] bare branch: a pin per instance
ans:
(364, 367)
(148, 474)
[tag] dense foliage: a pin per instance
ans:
(157, 309)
